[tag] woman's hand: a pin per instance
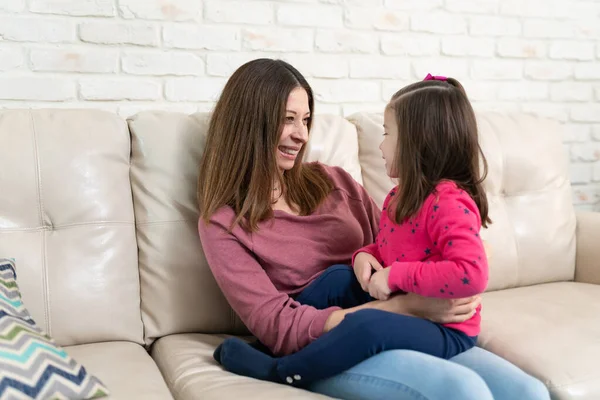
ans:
(441, 311)
(378, 285)
(364, 264)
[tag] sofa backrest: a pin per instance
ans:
(532, 237)
(102, 220)
(178, 292)
(66, 217)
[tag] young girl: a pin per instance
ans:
(428, 242)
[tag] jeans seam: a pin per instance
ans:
(350, 376)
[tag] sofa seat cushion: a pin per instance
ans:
(191, 372)
(125, 367)
(551, 331)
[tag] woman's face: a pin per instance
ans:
(390, 140)
(295, 130)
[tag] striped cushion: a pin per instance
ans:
(32, 366)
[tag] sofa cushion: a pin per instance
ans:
(191, 372)
(126, 369)
(178, 291)
(549, 330)
(31, 364)
(334, 141)
(532, 237)
(68, 222)
(370, 134)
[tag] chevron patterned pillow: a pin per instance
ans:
(32, 366)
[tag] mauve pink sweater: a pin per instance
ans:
(258, 273)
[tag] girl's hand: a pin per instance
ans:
(378, 286)
(364, 264)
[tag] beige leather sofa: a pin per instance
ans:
(100, 215)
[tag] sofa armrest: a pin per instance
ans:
(587, 261)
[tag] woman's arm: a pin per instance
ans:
(441, 311)
(278, 321)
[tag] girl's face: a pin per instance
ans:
(390, 140)
(294, 134)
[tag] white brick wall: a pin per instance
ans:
(102, 32)
(538, 56)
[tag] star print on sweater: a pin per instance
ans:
(439, 250)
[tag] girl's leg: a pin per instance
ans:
(505, 380)
(405, 375)
(337, 286)
(359, 336)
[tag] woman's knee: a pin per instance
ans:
(530, 388)
(505, 380)
(466, 384)
(446, 380)
(405, 374)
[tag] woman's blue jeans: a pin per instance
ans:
(409, 375)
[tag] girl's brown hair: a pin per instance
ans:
(437, 140)
(239, 164)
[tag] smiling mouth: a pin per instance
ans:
(289, 152)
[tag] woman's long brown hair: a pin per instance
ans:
(239, 164)
(437, 140)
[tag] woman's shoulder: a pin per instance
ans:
(222, 218)
(339, 177)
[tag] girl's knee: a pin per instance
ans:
(342, 269)
(341, 275)
(366, 325)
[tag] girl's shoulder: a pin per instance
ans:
(446, 187)
(449, 195)
(448, 192)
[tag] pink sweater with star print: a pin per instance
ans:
(438, 252)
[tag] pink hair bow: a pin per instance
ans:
(430, 77)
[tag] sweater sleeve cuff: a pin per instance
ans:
(397, 277)
(370, 249)
(315, 330)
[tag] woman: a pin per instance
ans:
(271, 226)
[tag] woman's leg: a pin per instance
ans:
(359, 336)
(405, 375)
(505, 380)
(339, 286)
